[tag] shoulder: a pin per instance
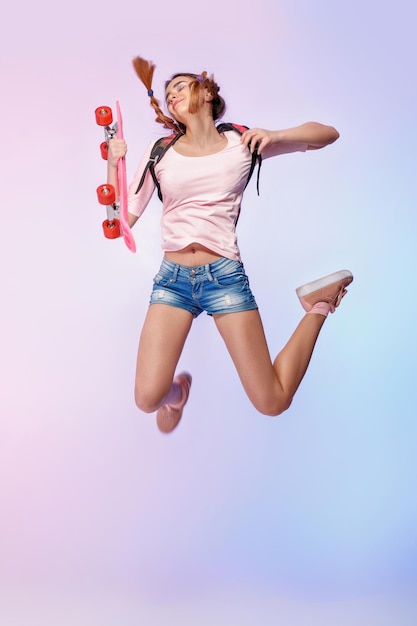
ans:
(163, 143)
(239, 128)
(234, 137)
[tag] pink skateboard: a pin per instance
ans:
(116, 224)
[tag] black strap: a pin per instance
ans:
(158, 150)
(225, 126)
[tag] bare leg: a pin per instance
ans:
(161, 343)
(270, 386)
(291, 363)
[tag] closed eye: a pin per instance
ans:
(176, 87)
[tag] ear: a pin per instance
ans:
(208, 97)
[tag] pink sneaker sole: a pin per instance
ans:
(330, 289)
(168, 416)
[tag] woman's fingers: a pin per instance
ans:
(117, 150)
(256, 138)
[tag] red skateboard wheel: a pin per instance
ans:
(104, 149)
(111, 229)
(106, 194)
(104, 116)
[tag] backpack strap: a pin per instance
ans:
(225, 126)
(157, 152)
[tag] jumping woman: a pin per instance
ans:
(201, 179)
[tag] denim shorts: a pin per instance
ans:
(217, 288)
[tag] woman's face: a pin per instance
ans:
(177, 96)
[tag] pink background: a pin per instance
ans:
(235, 519)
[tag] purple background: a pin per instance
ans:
(235, 519)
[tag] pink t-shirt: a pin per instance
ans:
(201, 195)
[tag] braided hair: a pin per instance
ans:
(145, 69)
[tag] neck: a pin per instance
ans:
(201, 131)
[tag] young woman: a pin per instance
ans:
(202, 179)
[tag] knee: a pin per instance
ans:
(275, 406)
(150, 394)
(143, 405)
(147, 402)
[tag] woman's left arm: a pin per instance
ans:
(311, 134)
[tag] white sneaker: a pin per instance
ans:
(330, 289)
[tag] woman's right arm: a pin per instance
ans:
(136, 202)
(117, 150)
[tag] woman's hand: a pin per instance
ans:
(117, 150)
(257, 137)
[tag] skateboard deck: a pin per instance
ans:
(116, 224)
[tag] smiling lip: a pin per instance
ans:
(177, 102)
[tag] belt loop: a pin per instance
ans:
(175, 273)
(208, 273)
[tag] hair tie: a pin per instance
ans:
(150, 93)
(199, 78)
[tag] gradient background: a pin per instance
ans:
(235, 519)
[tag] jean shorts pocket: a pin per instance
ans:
(161, 280)
(235, 279)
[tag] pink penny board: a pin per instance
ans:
(121, 174)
